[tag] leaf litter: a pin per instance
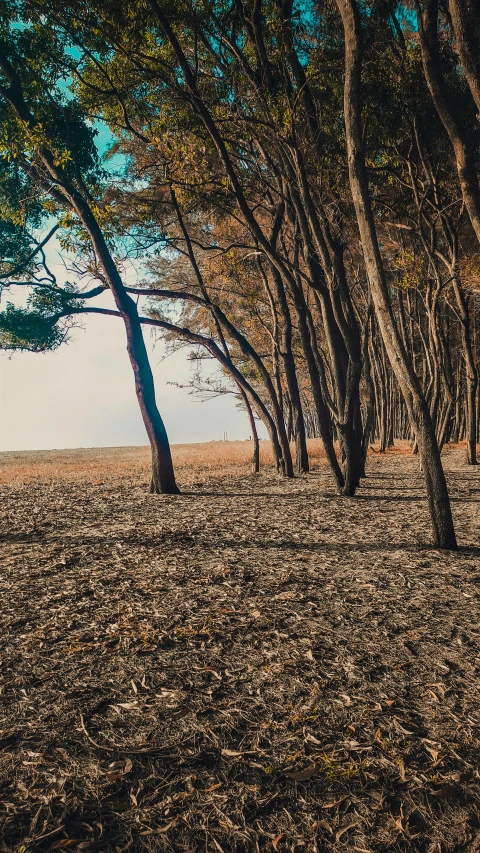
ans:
(253, 665)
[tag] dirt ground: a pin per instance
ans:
(255, 665)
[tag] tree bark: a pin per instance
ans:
(369, 420)
(253, 427)
(471, 411)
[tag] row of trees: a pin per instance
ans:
(298, 184)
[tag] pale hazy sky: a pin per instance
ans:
(83, 395)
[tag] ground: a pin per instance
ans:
(254, 665)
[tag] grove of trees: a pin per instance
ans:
(298, 185)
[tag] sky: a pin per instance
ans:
(83, 395)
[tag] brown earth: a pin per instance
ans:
(254, 665)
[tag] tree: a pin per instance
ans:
(54, 147)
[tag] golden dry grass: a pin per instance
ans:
(192, 461)
(97, 464)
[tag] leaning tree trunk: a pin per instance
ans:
(301, 453)
(471, 411)
(427, 16)
(437, 492)
(306, 333)
(234, 372)
(253, 427)
(330, 256)
(381, 397)
(163, 476)
(465, 15)
(369, 421)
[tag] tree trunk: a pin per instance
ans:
(253, 427)
(471, 411)
(301, 454)
(437, 493)
(427, 16)
(306, 332)
(163, 476)
(369, 421)
(465, 15)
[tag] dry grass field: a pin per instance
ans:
(95, 465)
(254, 665)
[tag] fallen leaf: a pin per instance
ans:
(400, 728)
(276, 840)
(345, 829)
(159, 831)
(311, 739)
(116, 770)
(335, 804)
(322, 824)
(302, 775)
(114, 777)
(448, 792)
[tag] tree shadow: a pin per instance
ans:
(194, 540)
(330, 495)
